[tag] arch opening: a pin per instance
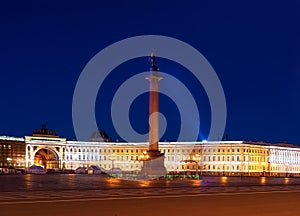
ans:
(46, 158)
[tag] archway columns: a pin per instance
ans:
(34, 144)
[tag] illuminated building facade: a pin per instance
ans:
(206, 158)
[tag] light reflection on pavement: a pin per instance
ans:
(48, 187)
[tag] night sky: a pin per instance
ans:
(254, 47)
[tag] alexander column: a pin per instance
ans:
(154, 163)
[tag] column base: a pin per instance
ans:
(154, 166)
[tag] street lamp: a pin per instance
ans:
(9, 161)
(112, 158)
(286, 170)
(198, 159)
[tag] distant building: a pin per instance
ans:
(45, 148)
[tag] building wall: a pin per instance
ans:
(12, 152)
(208, 158)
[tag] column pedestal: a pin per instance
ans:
(154, 166)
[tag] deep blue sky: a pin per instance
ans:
(254, 46)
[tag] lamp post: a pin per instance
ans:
(286, 170)
(9, 161)
(198, 159)
(112, 158)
